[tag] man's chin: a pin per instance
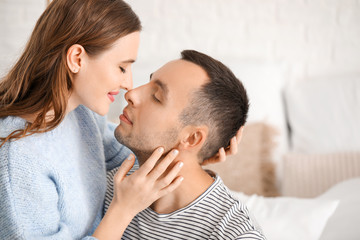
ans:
(142, 155)
(142, 148)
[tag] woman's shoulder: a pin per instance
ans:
(12, 147)
(15, 155)
(9, 124)
(33, 145)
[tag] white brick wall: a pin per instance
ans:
(17, 19)
(315, 37)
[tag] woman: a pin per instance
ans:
(55, 147)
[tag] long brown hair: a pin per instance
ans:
(40, 81)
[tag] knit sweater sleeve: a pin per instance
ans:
(29, 202)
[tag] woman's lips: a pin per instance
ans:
(111, 95)
(125, 118)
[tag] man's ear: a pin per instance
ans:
(194, 137)
(74, 57)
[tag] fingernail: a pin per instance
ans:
(175, 152)
(181, 179)
(129, 157)
(180, 164)
(235, 138)
(161, 149)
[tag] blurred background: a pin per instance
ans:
(298, 59)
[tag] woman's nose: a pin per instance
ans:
(127, 82)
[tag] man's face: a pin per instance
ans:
(151, 118)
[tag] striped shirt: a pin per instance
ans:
(215, 214)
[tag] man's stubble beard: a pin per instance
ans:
(144, 146)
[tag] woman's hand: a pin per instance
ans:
(230, 150)
(150, 182)
(134, 193)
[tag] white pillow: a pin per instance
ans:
(284, 218)
(324, 114)
(343, 224)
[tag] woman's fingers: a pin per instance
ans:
(239, 134)
(222, 155)
(149, 164)
(138, 191)
(166, 180)
(160, 168)
(124, 168)
(233, 148)
(171, 187)
(234, 142)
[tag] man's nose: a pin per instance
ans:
(131, 98)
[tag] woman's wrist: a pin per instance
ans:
(114, 223)
(121, 211)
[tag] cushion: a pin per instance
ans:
(309, 175)
(324, 114)
(251, 170)
(284, 218)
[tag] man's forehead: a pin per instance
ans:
(180, 72)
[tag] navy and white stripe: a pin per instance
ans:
(216, 214)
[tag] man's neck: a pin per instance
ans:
(196, 182)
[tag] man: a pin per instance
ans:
(196, 105)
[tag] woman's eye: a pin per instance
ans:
(122, 70)
(155, 99)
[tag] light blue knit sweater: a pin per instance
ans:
(52, 185)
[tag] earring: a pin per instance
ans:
(75, 70)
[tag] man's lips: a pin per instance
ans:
(125, 117)
(111, 95)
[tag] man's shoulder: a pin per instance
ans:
(218, 191)
(234, 216)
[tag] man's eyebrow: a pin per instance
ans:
(162, 85)
(129, 61)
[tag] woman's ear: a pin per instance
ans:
(74, 57)
(194, 137)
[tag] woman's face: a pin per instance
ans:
(99, 78)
